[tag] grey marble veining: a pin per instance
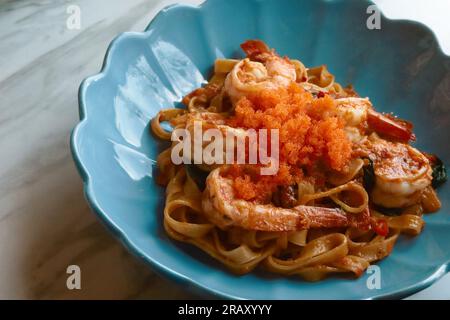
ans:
(45, 223)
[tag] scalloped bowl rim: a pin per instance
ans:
(121, 234)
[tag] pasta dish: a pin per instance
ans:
(320, 183)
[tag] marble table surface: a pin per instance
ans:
(45, 223)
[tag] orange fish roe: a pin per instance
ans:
(250, 185)
(310, 137)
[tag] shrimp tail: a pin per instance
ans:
(389, 126)
(335, 217)
(361, 221)
(323, 217)
(256, 50)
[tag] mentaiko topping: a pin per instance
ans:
(309, 135)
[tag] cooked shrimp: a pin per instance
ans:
(353, 110)
(402, 172)
(266, 71)
(215, 121)
(224, 210)
(354, 113)
(212, 120)
(359, 111)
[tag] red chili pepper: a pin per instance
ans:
(380, 227)
(321, 94)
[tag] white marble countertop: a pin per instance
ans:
(45, 223)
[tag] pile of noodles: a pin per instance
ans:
(312, 254)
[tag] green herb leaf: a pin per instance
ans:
(389, 211)
(439, 173)
(369, 175)
(197, 175)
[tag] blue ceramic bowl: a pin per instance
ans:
(400, 67)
